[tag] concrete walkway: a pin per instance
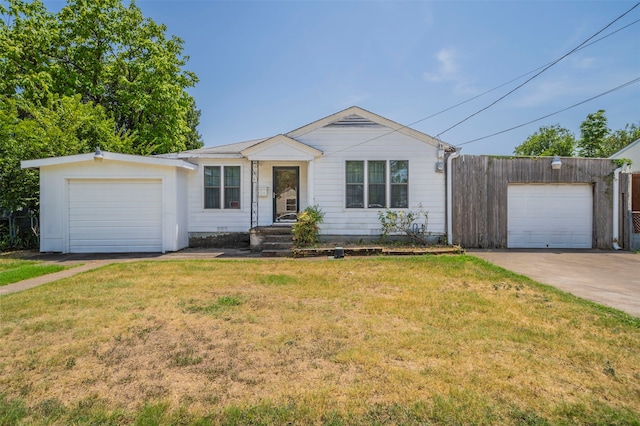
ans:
(611, 278)
(78, 263)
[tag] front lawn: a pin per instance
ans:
(14, 270)
(411, 340)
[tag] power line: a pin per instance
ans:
(489, 91)
(629, 83)
(540, 72)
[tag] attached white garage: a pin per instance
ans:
(550, 216)
(113, 203)
(115, 215)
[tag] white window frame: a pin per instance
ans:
(365, 195)
(222, 187)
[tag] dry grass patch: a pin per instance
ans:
(386, 340)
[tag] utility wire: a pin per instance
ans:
(540, 72)
(629, 83)
(488, 91)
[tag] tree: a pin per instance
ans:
(594, 132)
(548, 141)
(65, 126)
(111, 56)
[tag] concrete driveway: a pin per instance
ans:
(611, 278)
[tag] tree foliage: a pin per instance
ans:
(110, 55)
(596, 139)
(548, 141)
(97, 73)
(64, 126)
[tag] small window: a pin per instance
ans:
(355, 184)
(222, 187)
(399, 184)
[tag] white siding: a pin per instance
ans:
(54, 199)
(219, 220)
(426, 187)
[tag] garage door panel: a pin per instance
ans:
(549, 216)
(113, 215)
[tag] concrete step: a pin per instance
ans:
(277, 245)
(276, 253)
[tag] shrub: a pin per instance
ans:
(306, 228)
(405, 222)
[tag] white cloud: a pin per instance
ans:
(447, 69)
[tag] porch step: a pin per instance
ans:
(276, 253)
(278, 241)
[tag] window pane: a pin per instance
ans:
(212, 198)
(355, 171)
(232, 176)
(211, 176)
(232, 198)
(399, 171)
(376, 196)
(355, 196)
(376, 171)
(399, 196)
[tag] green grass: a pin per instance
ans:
(406, 341)
(13, 270)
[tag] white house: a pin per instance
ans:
(352, 164)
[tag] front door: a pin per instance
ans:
(286, 183)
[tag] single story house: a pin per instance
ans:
(351, 164)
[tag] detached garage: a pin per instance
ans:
(112, 203)
(534, 202)
(549, 216)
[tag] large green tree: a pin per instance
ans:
(111, 56)
(548, 141)
(63, 126)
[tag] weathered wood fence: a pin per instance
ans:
(479, 194)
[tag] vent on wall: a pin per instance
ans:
(354, 121)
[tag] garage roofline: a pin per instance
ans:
(54, 161)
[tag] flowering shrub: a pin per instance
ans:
(413, 224)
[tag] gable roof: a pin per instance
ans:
(156, 161)
(274, 149)
(621, 154)
(359, 117)
(348, 118)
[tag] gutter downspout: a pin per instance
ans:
(455, 154)
(616, 206)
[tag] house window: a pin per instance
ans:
(377, 184)
(386, 183)
(212, 187)
(222, 187)
(355, 184)
(232, 187)
(399, 184)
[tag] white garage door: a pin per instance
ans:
(549, 216)
(115, 215)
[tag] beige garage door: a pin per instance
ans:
(115, 215)
(550, 216)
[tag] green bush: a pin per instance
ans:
(306, 228)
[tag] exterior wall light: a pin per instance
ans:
(556, 163)
(98, 155)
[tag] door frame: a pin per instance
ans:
(275, 200)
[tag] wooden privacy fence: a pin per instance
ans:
(479, 194)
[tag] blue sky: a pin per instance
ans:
(269, 67)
